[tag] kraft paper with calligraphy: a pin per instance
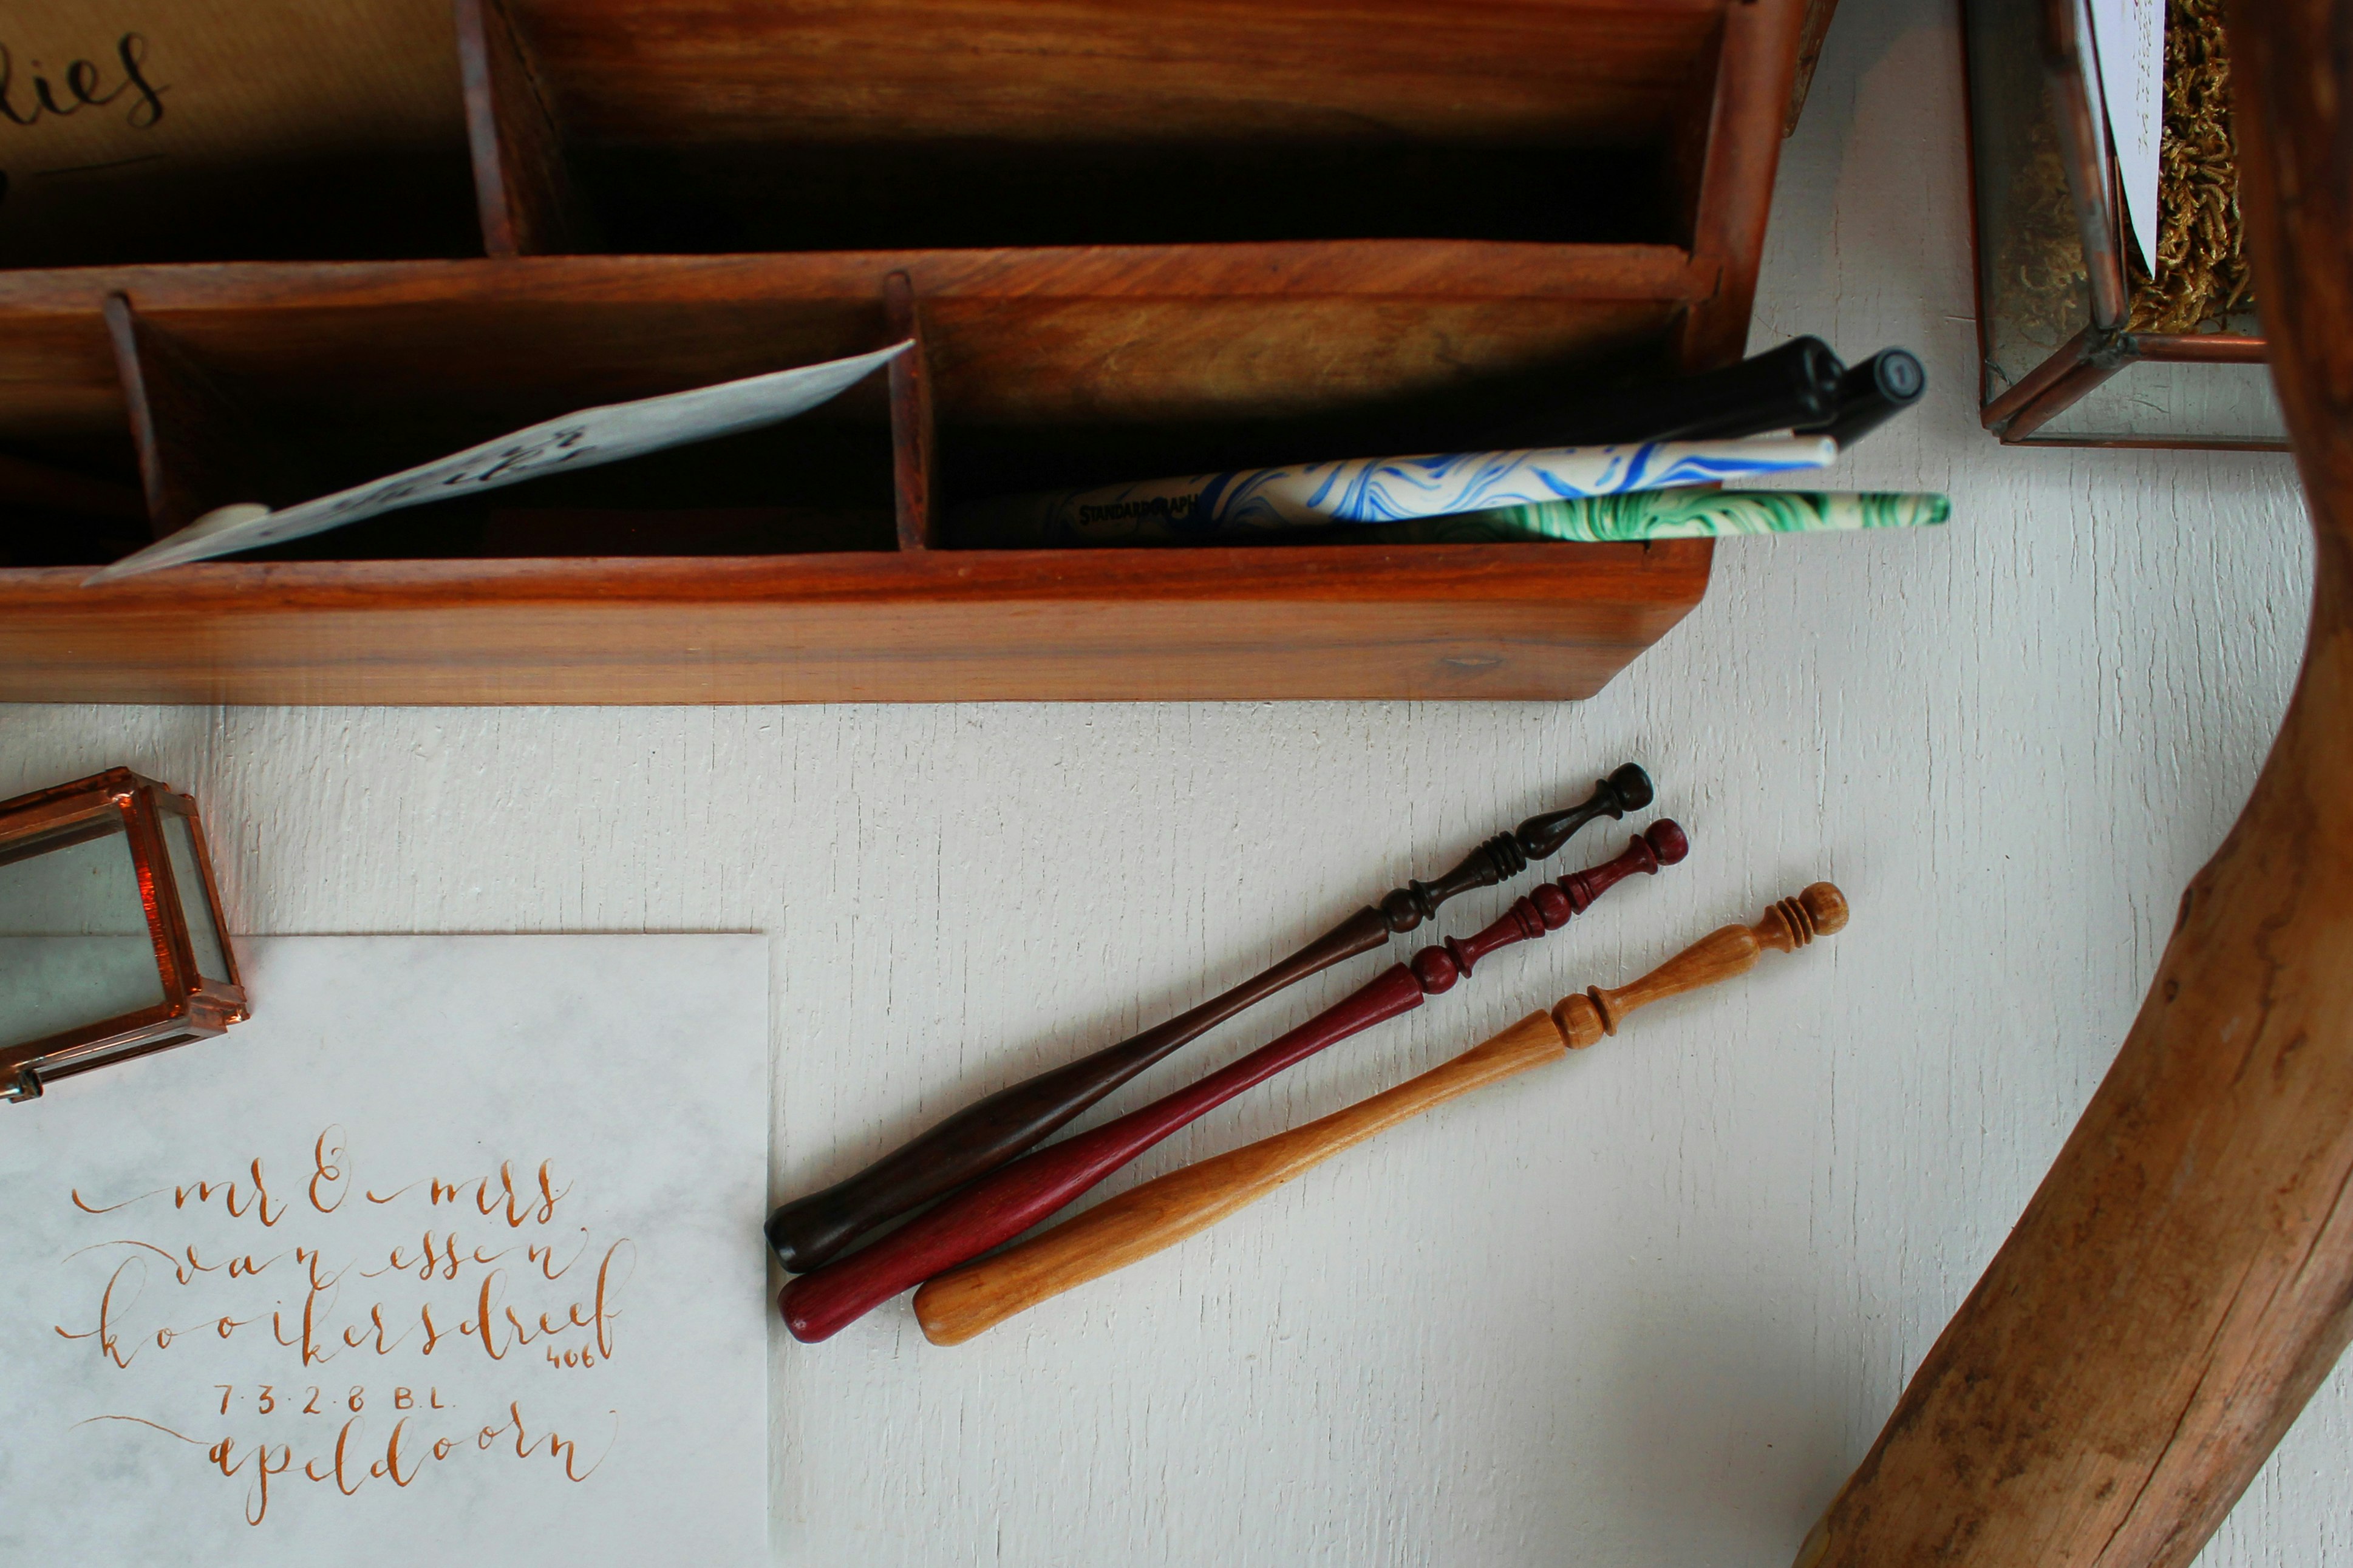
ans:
(449, 1253)
(188, 129)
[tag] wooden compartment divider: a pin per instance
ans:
(1754, 72)
(197, 449)
(522, 184)
(1034, 365)
(912, 437)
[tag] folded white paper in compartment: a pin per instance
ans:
(2128, 41)
(578, 440)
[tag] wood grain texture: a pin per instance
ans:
(522, 184)
(534, 331)
(1709, 1253)
(1820, 909)
(1545, 621)
(198, 448)
(1037, 342)
(1811, 35)
(715, 72)
(1151, 1218)
(2182, 1281)
(1735, 192)
(914, 467)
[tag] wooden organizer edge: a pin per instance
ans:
(1536, 621)
(1517, 621)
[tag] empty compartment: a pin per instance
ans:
(920, 124)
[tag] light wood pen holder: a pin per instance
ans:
(956, 1305)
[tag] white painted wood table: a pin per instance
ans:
(1645, 1307)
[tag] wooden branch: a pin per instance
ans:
(2183, 1279)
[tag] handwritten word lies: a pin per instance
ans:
(83, 84)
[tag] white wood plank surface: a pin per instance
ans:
(1645, 1307)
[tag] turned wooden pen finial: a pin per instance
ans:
(1550, 906)
(1627, 789)
(1506, 855)
(1788, 925)
(1820, 910)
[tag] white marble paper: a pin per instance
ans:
(451, 1254)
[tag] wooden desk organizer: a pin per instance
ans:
(1129, 240)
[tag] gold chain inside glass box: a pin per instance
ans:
(111, 937)
(2063, 363)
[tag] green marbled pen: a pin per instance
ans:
(1660, 514)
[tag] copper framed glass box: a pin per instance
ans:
(2081, 346)
(112, 943)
